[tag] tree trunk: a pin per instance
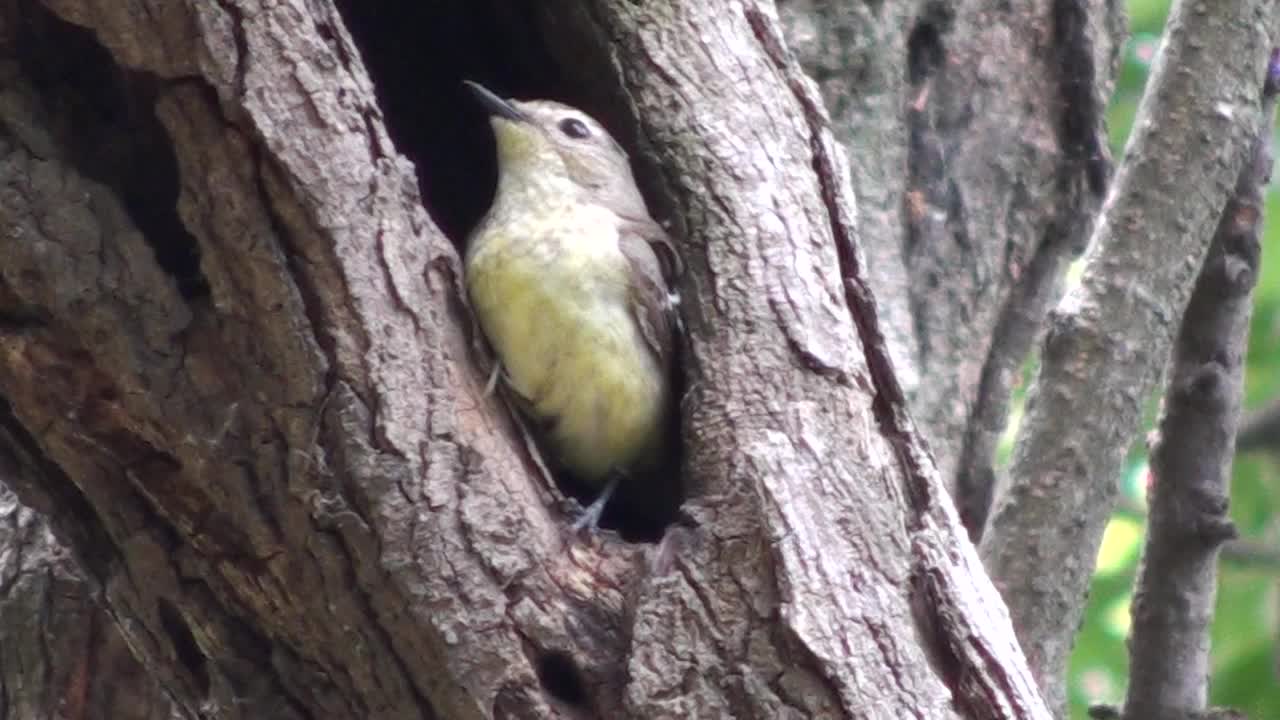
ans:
(62, 655)
(239, 339)
(238, 368)
(976, 185)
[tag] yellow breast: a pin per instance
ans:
(551, 294)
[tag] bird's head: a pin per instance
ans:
(543, 141)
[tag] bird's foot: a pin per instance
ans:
(590, 517)
(492, 384)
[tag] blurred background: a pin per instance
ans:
(1246, 630)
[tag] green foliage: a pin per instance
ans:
(1246, 630)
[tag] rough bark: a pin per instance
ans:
(857, 53)
(62, 655)
(975, 188)
(1108, 338)
(1188, 522)
(225, 454)
(740, 170)
(264, 425)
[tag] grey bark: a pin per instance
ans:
(283, 472)
(1188, 523)
(62, 655)
(1108, 338)
(751, 208)
(220, 471)
(976, 187)
(857, 53)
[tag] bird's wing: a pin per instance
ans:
(654, 268)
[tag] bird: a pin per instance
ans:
(571, 281)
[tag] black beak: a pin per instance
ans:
(494, 104)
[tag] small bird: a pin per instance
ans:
(570, 279)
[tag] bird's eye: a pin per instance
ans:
(574, 128)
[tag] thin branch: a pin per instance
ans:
(1240, 554)
(1260, 429)
(1087, 36)
(1109, 337)
(1191, 459)
(1251, 554)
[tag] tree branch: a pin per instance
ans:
(1260, 429)
(1240, 553)
(972, 195)
(1087, 39)
(1191, 458)
(1109, 337)
(1249, 554)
